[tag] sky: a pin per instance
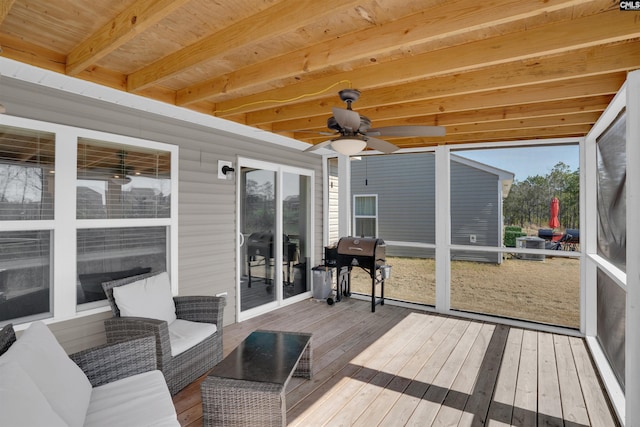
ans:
(526, 161)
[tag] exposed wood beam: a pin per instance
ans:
(581, 63)
(527, 123)
(475, 115)
(507, 135)
(37, 56)
(19, 50)
(552, 39)
(135, 19)
(599, 85)
(534, 122)
(606, 84)
(5, 7)
(419, 28)
(282, 17)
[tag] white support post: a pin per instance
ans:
(588, 240)
(344, 196)
(64, 237)
(443, 227)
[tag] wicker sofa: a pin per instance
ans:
(185, 367)
(111, 385)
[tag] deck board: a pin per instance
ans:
(573, 406)
(400, 366)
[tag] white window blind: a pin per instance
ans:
(118, 181)
(27, 174)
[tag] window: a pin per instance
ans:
(365, 215)
(112, 253)
(502, 201)
(120, 221)
(27, 160)
(118, 182)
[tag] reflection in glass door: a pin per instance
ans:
(275, 220)
(258, 228)
(296, 227)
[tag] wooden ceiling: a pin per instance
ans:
(491, 70)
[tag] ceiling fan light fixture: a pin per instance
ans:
(348, 145)
(120, 179)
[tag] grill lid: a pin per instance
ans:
(359, 246)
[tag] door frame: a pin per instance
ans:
(279, 170)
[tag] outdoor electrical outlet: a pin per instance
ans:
(472, 238)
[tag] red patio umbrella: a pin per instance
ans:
(554, 210)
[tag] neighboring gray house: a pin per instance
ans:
(394, 199)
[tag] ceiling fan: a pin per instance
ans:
(122, 171)
(353, 132)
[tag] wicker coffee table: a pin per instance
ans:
(247, 388)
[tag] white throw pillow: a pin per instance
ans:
(21, 402)
(150, 297)
(61, 381)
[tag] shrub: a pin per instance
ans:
(510, 237)
(512, 228)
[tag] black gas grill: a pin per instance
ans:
(366, 253)
(260, 251)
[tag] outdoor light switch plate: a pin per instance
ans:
(472, 238)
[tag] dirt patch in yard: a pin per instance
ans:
(545, 291)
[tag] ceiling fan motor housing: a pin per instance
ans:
(365, 125)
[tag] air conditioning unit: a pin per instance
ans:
(530, 243)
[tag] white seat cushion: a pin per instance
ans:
(184, 334)
(140, 400)
(150, 297)
(21, 402)
(61, 381)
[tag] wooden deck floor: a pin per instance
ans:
(399, 367)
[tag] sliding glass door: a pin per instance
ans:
(274, 209)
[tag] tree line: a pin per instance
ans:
(529, 201)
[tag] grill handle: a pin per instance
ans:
(354, 248)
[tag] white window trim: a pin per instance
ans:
(65, 224)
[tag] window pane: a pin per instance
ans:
(612, 207)
(412, 279)
(258, 224)
(535, 288)
(405, 201)
(111, 253)
(117, 181)
(365, 205)
(25, 273)
(365, 227)
(612, 310)
(501, 194)
(26, 174)
(296, 209)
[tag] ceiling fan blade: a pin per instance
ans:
(315, 132)
(408, 131)
(319, 145)
(380, 145)
(347, 119)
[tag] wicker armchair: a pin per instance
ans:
(186, 367)
(108, 362)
